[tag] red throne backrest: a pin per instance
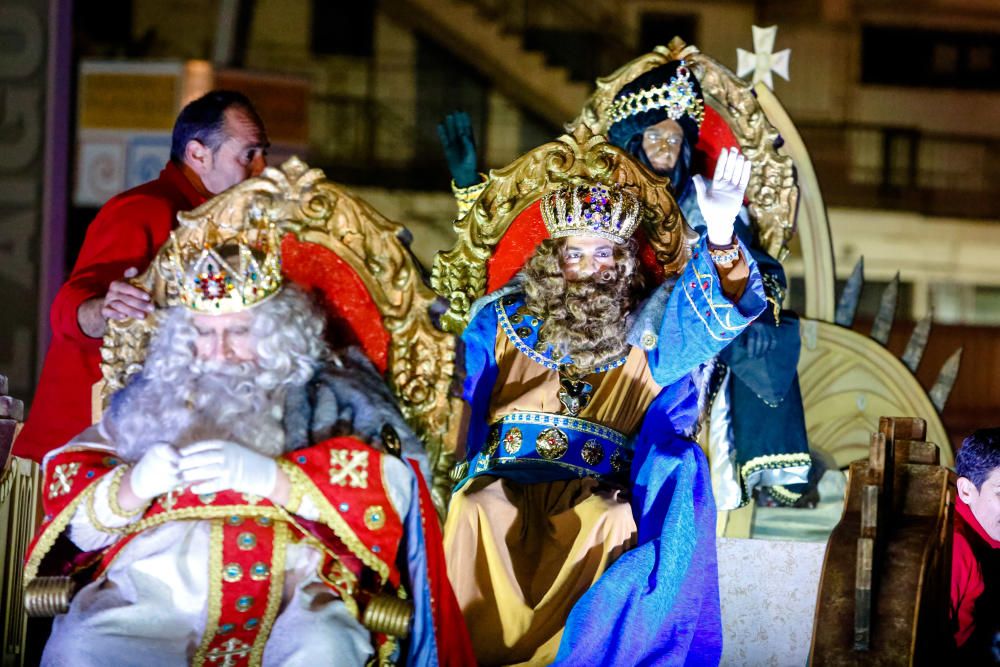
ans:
(353, 316)
(714, 136)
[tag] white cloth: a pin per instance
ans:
(149, 607)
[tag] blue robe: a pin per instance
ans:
(659, 602)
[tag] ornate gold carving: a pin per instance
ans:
(581, 157)
(303, 202)
(772, 193)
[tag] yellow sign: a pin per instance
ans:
(128, 101)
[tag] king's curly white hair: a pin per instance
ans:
(179, 398)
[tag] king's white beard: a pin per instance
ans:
(210, 401)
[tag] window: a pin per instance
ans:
(343, 28)
(930, 59)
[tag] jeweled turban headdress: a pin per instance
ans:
(591, 210)
(212, 275)
(677, 98)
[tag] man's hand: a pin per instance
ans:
(122, 301)
(455, 133)
(154, 474)
(721, 200)
(760, 338)
(216, 465)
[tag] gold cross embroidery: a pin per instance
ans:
(63, 478)
(170, 500)
(349, 468)
(230, 652)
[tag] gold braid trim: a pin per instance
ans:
(785, 495)
(214, 593)
(277, 585)
(332, 518)
(197, 513)
(117, 509)
(771, 462)
(295, 490)
(52, 532)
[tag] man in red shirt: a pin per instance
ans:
(218, 141)
(975, 567)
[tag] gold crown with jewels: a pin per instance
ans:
(216, 275)
(591, 210)
(677, 97)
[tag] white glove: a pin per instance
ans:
(156, 472)
(720, 201)
(215, 465)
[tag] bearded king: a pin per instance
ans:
(582, 530)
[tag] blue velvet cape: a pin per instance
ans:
(659, 602)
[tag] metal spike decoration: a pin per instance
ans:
(886, 312)
(847, 305)
(941, 390)
(918, 343)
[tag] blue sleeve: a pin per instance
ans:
(478, 366)
(699, 321)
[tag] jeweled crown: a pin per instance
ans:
(224, 276)
(677, 98)
(591, 210)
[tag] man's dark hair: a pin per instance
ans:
(204, 120)
(979, 456)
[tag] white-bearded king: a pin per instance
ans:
(236, 504)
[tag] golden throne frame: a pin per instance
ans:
(581, 156)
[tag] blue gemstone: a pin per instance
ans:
(90, 473)
(302, 459)
(251, 624)
(376, 549)
(344, 507)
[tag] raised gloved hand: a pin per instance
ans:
(216, 465)
(720, 201)
(156, 472)
(455, 133)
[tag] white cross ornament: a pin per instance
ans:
(763, 61)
